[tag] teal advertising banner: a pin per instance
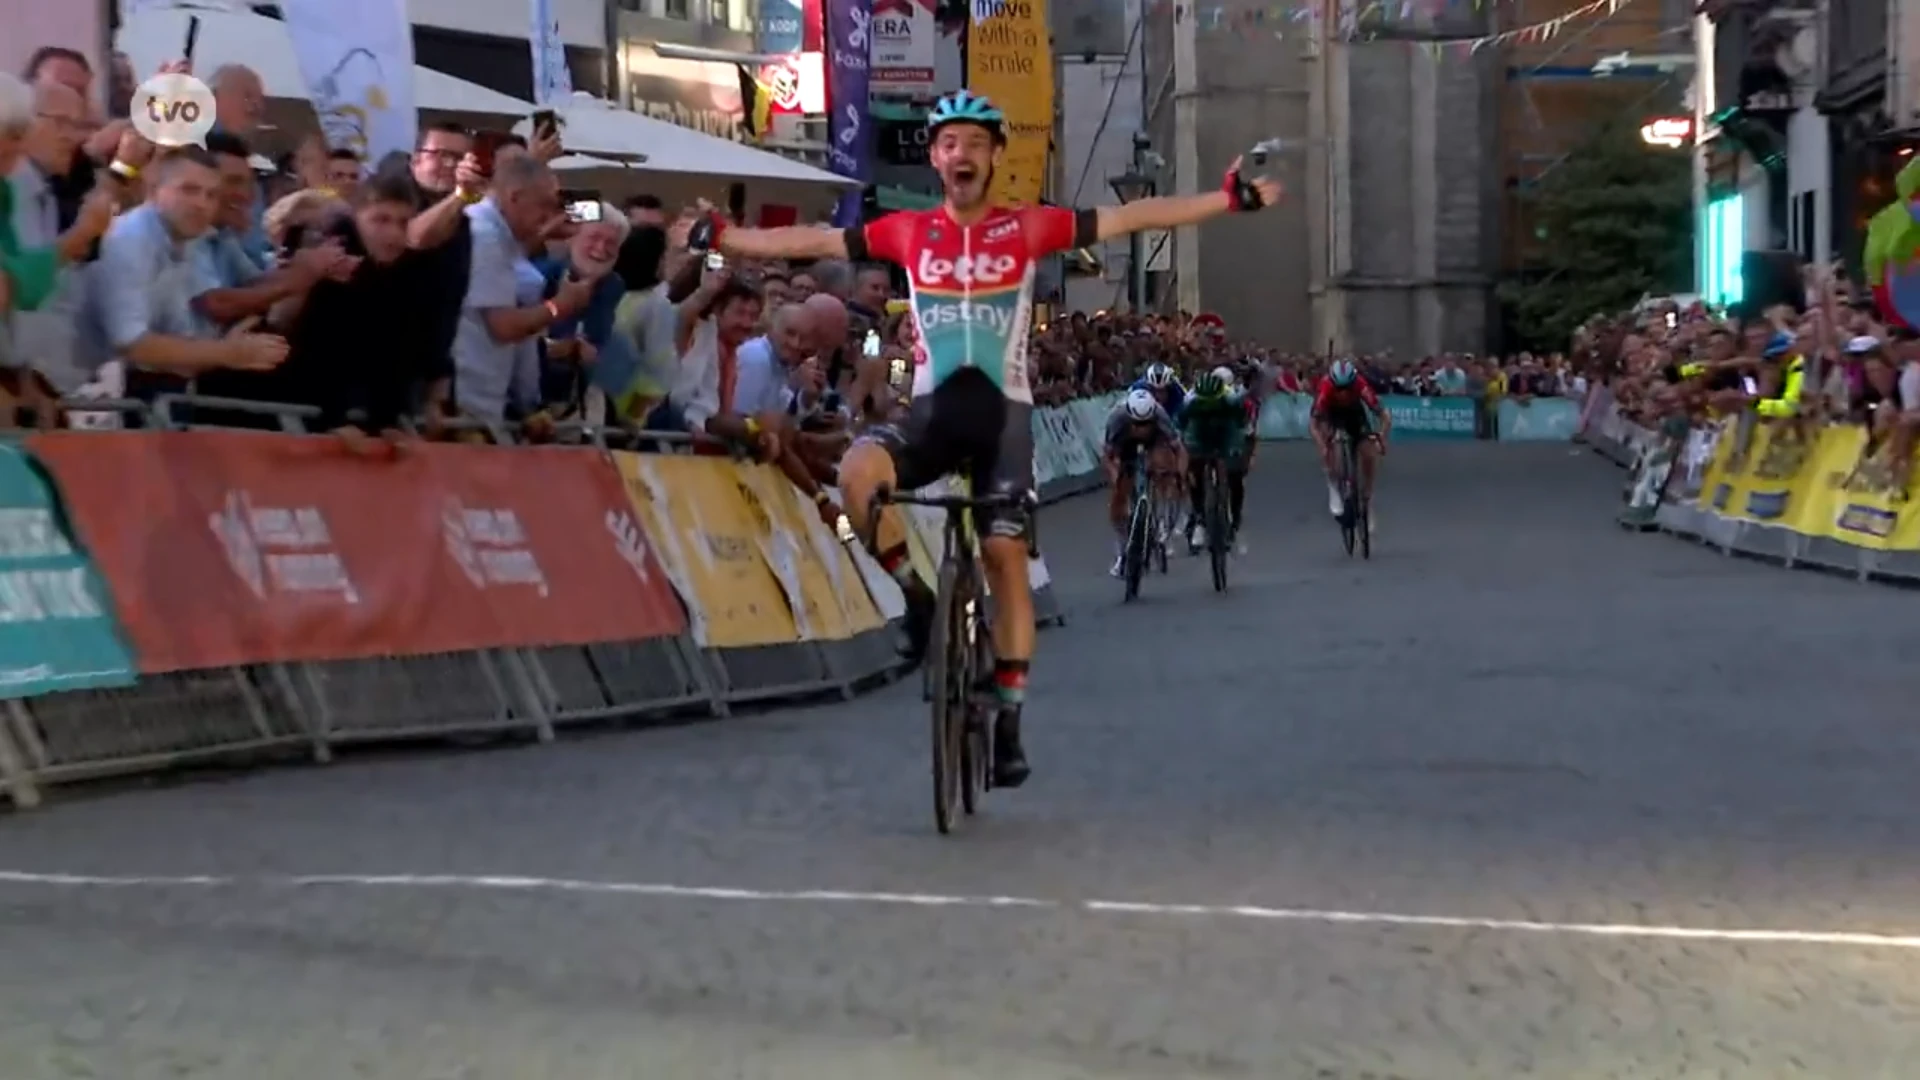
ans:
(1429, 417)
(57, 627)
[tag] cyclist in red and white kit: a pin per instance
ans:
(970, 267)
(1343, 401)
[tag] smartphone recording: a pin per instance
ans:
(584, 211)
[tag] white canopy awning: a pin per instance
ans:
(151, 38)
(599, 130)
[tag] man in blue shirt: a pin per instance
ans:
(140, 301)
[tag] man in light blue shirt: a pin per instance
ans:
(495, 352)
(141, 292)
(767, 362)
(240, 105)
(1449, 378)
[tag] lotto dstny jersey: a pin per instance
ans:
(971, 287)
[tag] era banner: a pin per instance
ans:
(225, 548)
(56, 620)
(1010, 61)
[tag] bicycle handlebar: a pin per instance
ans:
(954, 502)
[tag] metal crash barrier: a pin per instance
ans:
(184, 595)
(1800, 494)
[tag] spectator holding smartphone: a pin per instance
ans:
(141, 300)
(573, 345)
(495, 354)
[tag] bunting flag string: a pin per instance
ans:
(1375, 20)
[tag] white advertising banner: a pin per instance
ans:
(903, 33)
(357, 59)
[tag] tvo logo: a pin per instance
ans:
(935, 317)
(173, 110)
(981, 269)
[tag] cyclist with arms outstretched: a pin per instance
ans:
(970, 268)
(1343, 401)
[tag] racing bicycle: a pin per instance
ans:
(1148, 527)
(1213, 503)
(959, 673)
(1353, 519)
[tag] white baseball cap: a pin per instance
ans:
(1863, 344)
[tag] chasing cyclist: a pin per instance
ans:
(1158, 380)
(1344, 402)
(970, 266)
(1138, 425)
(1215, 426)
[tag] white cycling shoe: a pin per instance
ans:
(1335, 504)
(1119, 568)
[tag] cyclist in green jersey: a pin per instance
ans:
(1214, 426)
(971, 264)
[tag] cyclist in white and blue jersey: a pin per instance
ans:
(1166, 389)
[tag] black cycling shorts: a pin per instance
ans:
(965, 424)
(1353, 419)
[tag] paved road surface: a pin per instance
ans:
(1516, 716)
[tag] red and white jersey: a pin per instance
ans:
(971, 287)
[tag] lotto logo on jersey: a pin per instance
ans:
(985, 315)
(967, 270)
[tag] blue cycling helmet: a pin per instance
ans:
(967, 107)
(1777, 345)
(1342, 373)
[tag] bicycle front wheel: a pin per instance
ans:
(1349, 492)
(948, 660)
(1216, 524)
(1134, 555)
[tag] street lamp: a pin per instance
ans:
(1132, 186)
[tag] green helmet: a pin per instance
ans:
(1209, 385)
(966, 107)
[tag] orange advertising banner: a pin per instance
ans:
(224, 548)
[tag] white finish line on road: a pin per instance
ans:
(492, 883)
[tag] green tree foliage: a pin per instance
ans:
(1613, 223)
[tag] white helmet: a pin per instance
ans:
(1159, 375)
(1225, 375)
(1140, 405)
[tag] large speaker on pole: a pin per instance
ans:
(1768, 278)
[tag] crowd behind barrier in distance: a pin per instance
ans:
(182, 596)
(1825, 496)
(1438, 418)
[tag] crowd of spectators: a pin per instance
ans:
(454, 292)
(1832, 359)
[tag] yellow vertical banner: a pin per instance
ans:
(709, 545)
(831, 602)
(1010, 61)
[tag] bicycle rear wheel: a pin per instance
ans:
(948, 658)
(1216, 525)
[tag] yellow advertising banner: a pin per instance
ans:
(1854, 497)
(1010, 61)
(709, 543)
(830, 601)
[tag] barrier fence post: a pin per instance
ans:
(16, 779)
